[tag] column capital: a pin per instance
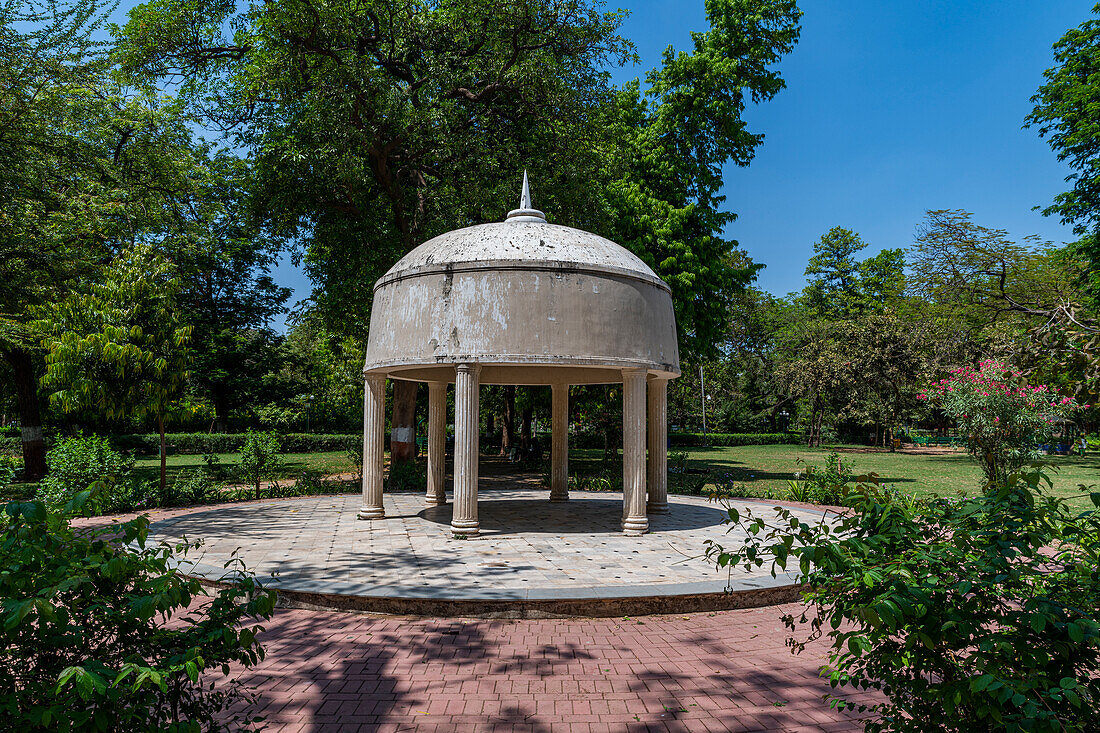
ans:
(634, 371)
(468, 368)
(658, 378)
(374, 378)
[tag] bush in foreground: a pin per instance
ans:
(970, 614)
(100, 636)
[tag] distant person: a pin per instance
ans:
(1083, 446)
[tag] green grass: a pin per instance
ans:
(769, 467)
(148, 467)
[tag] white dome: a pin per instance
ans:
(521, 245)
(531, 302)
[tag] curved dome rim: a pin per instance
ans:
(391, 277)
(527, 360)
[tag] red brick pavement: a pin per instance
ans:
(726, 671)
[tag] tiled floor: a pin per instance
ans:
(529, 547)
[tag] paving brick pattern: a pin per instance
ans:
(724, 671)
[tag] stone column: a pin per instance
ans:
(374, 428)
(559, 445)
(657, 480)
(464, 520)
(635, 521)
(437, 443)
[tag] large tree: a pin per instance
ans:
(376, 125)
(86, 168)
(118, 345)
(224, 260)
(1065, 114)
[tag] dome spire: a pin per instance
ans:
(525, 197)
(525, 212)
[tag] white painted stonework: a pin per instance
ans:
(529, 303)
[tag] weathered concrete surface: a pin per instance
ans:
(524, 295)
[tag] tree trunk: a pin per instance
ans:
(30, 415)
(221, 412)
(525, 429)
(163, 456)
(403, 424)
(508, 420)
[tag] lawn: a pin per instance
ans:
(757, 467)
(148, 467)
(762, 467)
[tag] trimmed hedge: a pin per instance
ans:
(199, 443)
(732, 439)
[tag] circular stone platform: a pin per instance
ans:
(534, 558)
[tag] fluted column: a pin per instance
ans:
(374, 427)
(657, 480)
(464, 519)
(635, 520)
(559, 443)
(437, 443)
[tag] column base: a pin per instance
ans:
(435, 501)
(657, 508)
(635, 525)
(371, 512)
(465, 528)
(559, 497)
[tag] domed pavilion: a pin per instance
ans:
(522, 302)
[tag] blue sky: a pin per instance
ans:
(891, 109)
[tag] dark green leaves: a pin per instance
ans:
(957, 610)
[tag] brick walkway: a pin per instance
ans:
(725, 671)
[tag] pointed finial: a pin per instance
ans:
(525, 197)
(525, 212)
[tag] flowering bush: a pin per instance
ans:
(1003, 417)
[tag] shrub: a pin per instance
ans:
(202, 443)
(261, 459)
(608, 477)
(733, 439)
(10, 468)
(407, 476)
(76, 463)
(822, 485)
(683, 480)
(355, 455)
(1004, 418)
(194, 486)
(85, 643)
(968, 614)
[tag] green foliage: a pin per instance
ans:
(826, 484)
(833, 269)
(1003, 417)
(732, 439)
(10, 467)
(605, 478)
(119, 347)
(209, 443)
(1063, 114)
(670, 144)
(195, 486)
(260, 460)
(87, 643)
(970, 614)
(77, 463)
(408, 476)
